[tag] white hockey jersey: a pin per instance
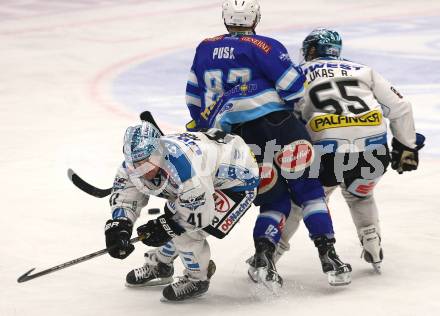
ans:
(193, 167)
(345, 104)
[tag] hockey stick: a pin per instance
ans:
(91, 189)
(148, 117)
(28, 276)
(87, 187)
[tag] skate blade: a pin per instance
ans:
(163, 299)
(339, 279)
(261, 278)
(152, 283)
(211, 269)
(252, 273)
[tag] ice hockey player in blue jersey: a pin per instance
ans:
(246, 84)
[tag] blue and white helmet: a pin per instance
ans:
(328, 43)
(143, 142)
(140, 142)
(244, 13)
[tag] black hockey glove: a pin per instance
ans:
(117, 237)
(159, 231)
(404, 158)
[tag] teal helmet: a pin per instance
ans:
(140, 142)
(327, 43)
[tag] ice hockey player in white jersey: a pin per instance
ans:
(209, 180)
(344, 107)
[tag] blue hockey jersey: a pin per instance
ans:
(225, 61)
(243, 103)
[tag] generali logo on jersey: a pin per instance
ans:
(214, 39)
(257, 42)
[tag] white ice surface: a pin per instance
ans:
(74, 74)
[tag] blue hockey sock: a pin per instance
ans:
(269, 225)
(317, 218)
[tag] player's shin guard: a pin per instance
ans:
(269, 225)
(290, 228)
(317, 218)
(372, 250)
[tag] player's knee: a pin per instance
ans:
(317, 218)
(361, 188)
(306, 190)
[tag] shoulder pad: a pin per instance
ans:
(178, 164)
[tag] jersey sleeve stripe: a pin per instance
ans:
(287, 79)
(295, 95)
(192, 99)
(192, 80)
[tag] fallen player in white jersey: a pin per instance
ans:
(344, 107)
(209, 180)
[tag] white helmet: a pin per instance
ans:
(241, 13)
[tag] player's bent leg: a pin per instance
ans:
(318, 222)
(371, 242)
(292, 225)
(290, 228)
(267, 233)
(366, 219)
(363, 209)
(195, 254)
(157, 270)
(329, 191)
(338, 272)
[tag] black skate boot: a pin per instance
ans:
(261, 266)
(338, 272)
(151, 274)
(187, 288)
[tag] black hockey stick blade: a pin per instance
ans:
(28, 276)
(25, 277)
(86, 187)
(148, 117)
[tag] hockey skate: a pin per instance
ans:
(153, 273)
(262, 269)
(372, 251)
(338, 272)
(187, 288)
